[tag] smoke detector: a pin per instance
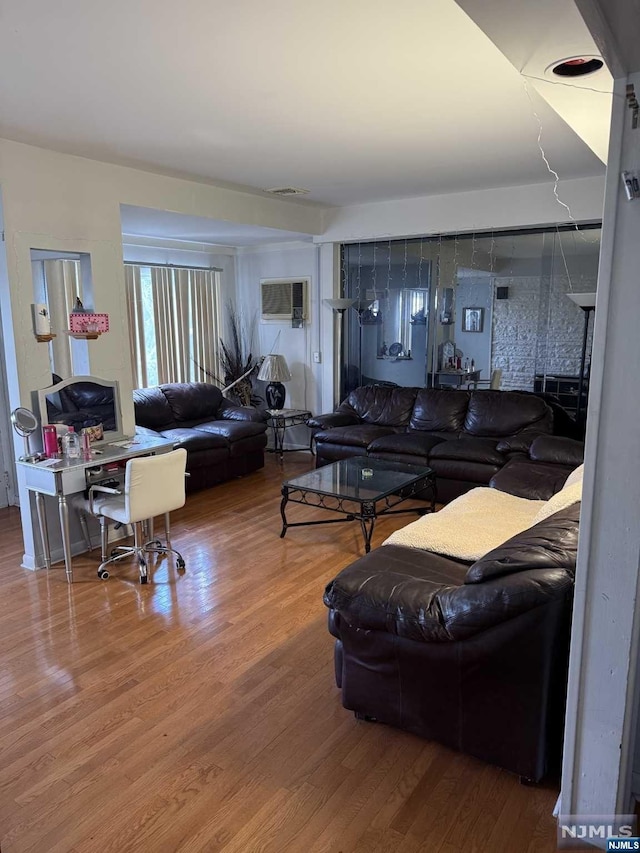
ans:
(576, 66)
(287, 191)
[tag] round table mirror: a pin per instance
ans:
(25, 424)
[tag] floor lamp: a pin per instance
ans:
(339, 306)
(586, 301)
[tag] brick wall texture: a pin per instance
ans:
(538, 329)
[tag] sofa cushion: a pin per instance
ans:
(353, 436)
(550, 544)
(502, 413)
(152, 409)
(469, 450)
(192, 401)
(412, 442)
(376, 404)
(194, 439)
(440, 410)
(232, 430)
(534, 480)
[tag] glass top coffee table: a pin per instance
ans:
(361, 489)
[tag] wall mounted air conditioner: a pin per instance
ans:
(284, 299)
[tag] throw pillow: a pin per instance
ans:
(575, 476)
(561, 500)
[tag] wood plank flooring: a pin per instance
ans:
(199, 713)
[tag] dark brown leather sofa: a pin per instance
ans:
(472, 656)
(222, 440)
(466, 437)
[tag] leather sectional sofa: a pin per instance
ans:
(222, 440)
(466, 437)
(473, 656)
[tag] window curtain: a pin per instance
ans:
(173, 324)
(136, 325)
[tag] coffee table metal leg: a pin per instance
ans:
(367, 521)
(283, 503)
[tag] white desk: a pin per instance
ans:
(62, 477)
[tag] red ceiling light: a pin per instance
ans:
(577, 66)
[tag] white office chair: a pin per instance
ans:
(153, 485)
(493, 383)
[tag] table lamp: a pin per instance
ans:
(275, 371)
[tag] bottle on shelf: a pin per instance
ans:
(473, 365)
(466, 365)
(71, 444)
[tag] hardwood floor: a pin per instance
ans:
(199, 712)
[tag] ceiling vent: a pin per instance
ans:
(287, 191)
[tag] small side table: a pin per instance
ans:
(280, 420)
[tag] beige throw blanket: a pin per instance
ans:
(480, 520)
(471, 525)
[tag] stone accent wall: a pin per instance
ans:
(538, 329)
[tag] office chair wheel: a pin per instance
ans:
(180, 565)
(103, 574)
(144, 579)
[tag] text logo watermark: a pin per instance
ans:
(576, 831)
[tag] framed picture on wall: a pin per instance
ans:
(472, 319)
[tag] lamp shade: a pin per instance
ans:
(274, 369)
(339, 304)
(583, 300)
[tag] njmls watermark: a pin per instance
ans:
(577, 831)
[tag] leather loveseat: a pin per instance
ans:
(466, 437)
(473, 656)
(222, 440)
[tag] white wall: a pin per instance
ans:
(296, 260)
(475, 292)
(504, 207)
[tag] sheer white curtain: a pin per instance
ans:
(173, 324)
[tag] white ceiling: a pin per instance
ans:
(356, 101)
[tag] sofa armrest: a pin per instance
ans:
(557, 449)
(230, 412)
(333, 419)
(428, 611)
(473, 608)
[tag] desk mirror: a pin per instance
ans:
(83, 401)
(25, 424)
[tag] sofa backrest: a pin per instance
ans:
(502, 413)
(178, 404)
(443, 410)
(379, 404)
(440, 410)
(152, 409)
(192, 403)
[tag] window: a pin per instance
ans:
(173, 324)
